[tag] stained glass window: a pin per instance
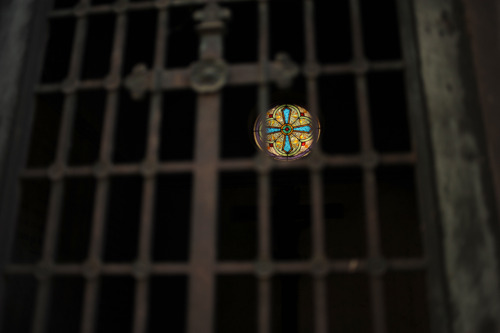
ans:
(286, 132)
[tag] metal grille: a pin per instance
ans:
(203, 268)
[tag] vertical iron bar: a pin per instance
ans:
(370, 186)
(201, 284)
(42, 297)
(146, 227)
(264, 216)
(264, 190)
(57, 190)
(320, 301)
(264, 311)
(320, 306)
(204, 213)
(263, 102)
(100, 201)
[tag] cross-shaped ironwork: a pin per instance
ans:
(210, 73)
(206, 76)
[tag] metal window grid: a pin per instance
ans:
(203, 267)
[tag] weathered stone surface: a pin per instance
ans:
(15, 16)
(470, 240)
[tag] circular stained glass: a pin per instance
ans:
(286, 132)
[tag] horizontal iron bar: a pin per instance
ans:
(228, 164)
(277, 267)
(238, 74)
(106, 9)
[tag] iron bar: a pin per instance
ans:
(204, 201)
(92, 284)
(148, 196)
(224, 267)
(57, 190)
(369, 180)
(242, 164)
(42, 298)
(89, 305)
(201, 283)
(316, 183)
(264, 207)
(137, 6)
(264, 309)
(263, 185)
(239, 74)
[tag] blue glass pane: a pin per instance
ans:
(303, 128)
(286, 114)
(272, 130)
(288, 147)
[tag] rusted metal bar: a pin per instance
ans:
(397, 158)
(97, 232)
(168, 268)
(264, 309)
(320, 301)
(67, 269)
(102, 171)
(374, 66)
(57, 191)
(125, 169)
(238, 74)
(42, 298)
(263, 185)
(109, 9)
(149, 172)
(393, 65)
(316, 184)
(80, 171)
(90, 84)
(175, 167)
(56, 172)
(371, 213)
(89, 305)
(117, 269)
(105, 268)
(204, 201)
(241, 164)
(264, 207)
(141, 302)
(97, 229)
(201, 285)
(377, 303)
(364, 115)
(292, 266)
(237, 267)
(369, 180)
(347, 266)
